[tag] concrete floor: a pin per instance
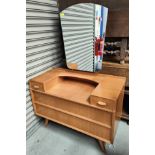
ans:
(59, 140)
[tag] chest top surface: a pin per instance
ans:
(78, 85)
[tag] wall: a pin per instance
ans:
(43, 48)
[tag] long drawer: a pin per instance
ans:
(84, 126)
(96, 115)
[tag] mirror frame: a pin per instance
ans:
(73, 65)
(118, 9)
(110, 4)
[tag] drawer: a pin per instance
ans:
(91, 113)
(102, 103)
(89, 128)
(36, 86)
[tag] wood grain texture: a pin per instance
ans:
(87, 102)
(102, 146)
(116, 69)
(118, 23)
(72, 66)
(111, 4)
(123, 48)
(46, 122)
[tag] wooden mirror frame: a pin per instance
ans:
(118, 16)
(110, 4)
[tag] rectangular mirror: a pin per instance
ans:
(83, 29)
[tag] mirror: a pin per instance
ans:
(83, 29)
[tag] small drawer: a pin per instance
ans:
(99, 102)
(36, 86)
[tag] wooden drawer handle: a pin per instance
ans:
(36, 87)
(101, 103)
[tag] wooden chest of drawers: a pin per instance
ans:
(90, 103)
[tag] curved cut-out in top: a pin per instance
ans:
(80, 79)
(73, 88)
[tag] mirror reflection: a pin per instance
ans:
(84, 28)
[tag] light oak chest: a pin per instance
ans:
(90, 103)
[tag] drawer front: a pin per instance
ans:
(76, 123)
(102, 103)
(36, 86)
(88, 112)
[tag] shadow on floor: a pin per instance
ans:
(56, 139)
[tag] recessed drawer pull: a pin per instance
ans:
(36, 87)
(101, 103)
